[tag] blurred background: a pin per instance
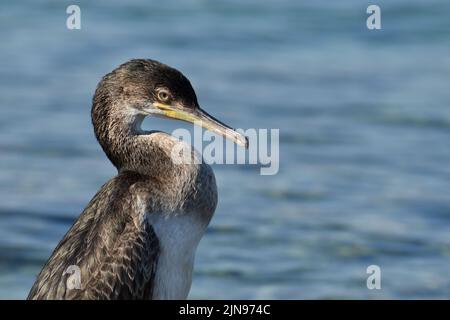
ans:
(364, 119)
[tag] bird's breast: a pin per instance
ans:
(178, 235)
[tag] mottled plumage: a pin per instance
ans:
(152, 214)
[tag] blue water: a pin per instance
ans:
(364, 119)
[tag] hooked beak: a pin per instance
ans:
(204, 120)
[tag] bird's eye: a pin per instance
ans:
(163, 95)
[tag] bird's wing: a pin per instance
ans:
(127, 272)
(114, 249)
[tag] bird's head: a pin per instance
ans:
(152, 88)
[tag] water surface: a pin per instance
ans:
(364, 119)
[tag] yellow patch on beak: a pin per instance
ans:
(204, 120)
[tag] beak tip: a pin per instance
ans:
(242, 141)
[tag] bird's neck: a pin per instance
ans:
(118, 130)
